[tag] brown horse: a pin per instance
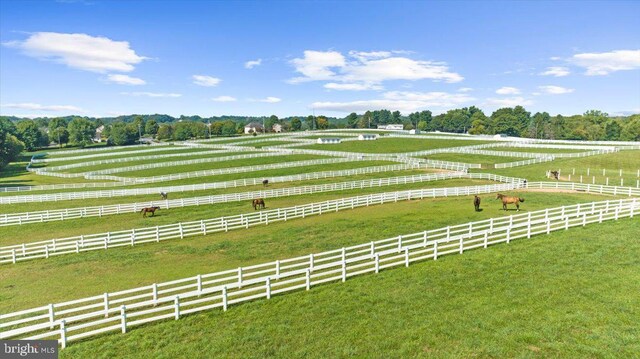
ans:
(265, 182)
(476, 203)
(258, 203)
(555, 174)
(151, 210)
(509, 199)
(164, 195)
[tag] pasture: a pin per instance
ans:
(570, 290)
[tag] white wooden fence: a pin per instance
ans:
(83, 243)
(105, 210)
(129, 159)
(63, 196)
(119, 311)
(106, 151)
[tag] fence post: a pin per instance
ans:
(508, 234)
(377, 258)
(486, 239)
(199, 284)
(239, 277)
(373, 247)
(123, 318)
(63, 334)
(311, 261)
(106, 305)
(51, 315)
(399, 243)
(344, 265)
(224, 298)
(435, 250)
(177, 307)
(203, 227)
(154, 293)
(406, 257)
(133, 237)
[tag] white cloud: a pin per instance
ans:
(402, 101)
(557, 71)
(367, 69)
(352, 86)
(80, 51)
(509, 101)
(224, 99)
(555, 90)
(204, 80)
(508, 91)
(125, 80)
(253, 63)
(465, 89)
(269, 99)
(316, 65)
(151, 94)
(605, 63)
(39, 107)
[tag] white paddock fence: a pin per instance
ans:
(63, 196)
(127, 159)
(181, 163)
(119, 311)
(105, 151)
(551, 157)
(105, 210)
(131, 237)
(212, 172)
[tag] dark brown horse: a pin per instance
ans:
(510, 199)
(164, 195)
(265, 182)
(151, 210)
(476, 203)
(258, 203)
(555, 174)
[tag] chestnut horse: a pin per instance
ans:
(476, 203)
(510, 199)
(258, 203)
(151, 210)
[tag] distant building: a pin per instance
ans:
(97, 137)
(328, 140)
(277, 128)
(367, 137)
(253, 127)
(392, 127)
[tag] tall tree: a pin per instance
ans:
(352, 120)
(28, 132)
(151, 127)
(81, 131)
(296, 124)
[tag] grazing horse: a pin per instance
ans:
(265, 182)
(258, 203)
(164, 195)
(151, 210)
(555, 174)
(476, 203)
(509, 199)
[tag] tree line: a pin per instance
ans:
(17, 134)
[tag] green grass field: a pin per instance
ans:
(571, 294)
(393, 145)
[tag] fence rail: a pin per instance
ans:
(119, 311)
(83, 243)
(63, 196)
(105, 210)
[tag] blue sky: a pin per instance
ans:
(106, 58)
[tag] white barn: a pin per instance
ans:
(367, 137)
(328, 140)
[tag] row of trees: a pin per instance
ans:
(512, 121)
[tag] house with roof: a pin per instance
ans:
(253, 127)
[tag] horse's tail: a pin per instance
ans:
(521, 199)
